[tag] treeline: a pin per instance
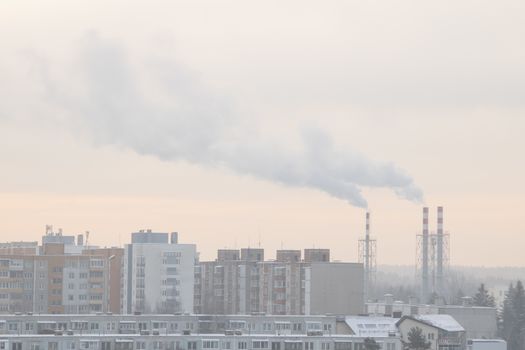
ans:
(512, 317)
(480, 298)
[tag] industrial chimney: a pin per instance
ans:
(439, 252)
(367, 257)
(424, 258)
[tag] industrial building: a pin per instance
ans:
(478, 322)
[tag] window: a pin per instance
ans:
(96, 263)
(313, 326)
(210, 344)
(344, 346)
(293, 346)
(192, 345)
(171, 271)
(278, 284)
(260, 344)
(282, 326)
(171, 260)
(242, 345)
(96, 274)
(276, 346)
(95, 297)
(237, 324)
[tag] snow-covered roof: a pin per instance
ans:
(445, 322)
(367, 326)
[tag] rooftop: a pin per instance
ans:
(444, 322)
(367, 326)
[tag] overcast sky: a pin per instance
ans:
(277, 123)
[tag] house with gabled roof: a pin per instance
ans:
(442, 331)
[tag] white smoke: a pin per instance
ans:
(165, 112)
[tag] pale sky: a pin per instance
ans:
(239, 122)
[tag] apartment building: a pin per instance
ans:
(59, 276)
(53, 282)
(19, 248)
(113, 259)
(158, 274)
(183, 332)
(108, 323)
(244, 283)
(316, 255)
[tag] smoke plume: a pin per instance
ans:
(166, 113)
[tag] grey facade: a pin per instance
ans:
(287, 286)
(336, 288)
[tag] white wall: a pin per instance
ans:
(408, 324)
(156, 271)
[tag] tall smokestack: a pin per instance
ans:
(439, 253)
(367, 257)
(367, 244)
(424, 262)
